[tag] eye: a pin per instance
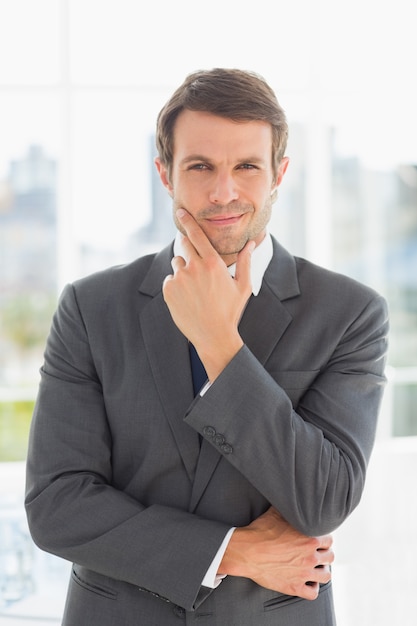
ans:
(199, 167)
(247, 166)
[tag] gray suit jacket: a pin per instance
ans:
(116, 480)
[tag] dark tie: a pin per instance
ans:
(197, 369)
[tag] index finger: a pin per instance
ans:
(195, 234)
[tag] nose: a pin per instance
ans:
(223, 189)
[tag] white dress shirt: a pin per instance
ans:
(261, 258)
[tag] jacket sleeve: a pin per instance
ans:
(308, 459)
(73, 508)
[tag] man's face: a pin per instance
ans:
(222, 175)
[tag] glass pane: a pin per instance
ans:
(124, 42)
(405, 398)
(375, 228)
(28, 118)
(28, 243)
(288, 219)
(30, 128)
(366, 46)
(29, 41)
(113, 171)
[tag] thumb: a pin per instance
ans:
(243, 265)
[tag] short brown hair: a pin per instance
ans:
(235, 94)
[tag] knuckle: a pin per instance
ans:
(328, 576)
(315, 543)
(295, 589)
(166, 288)
(312, 557)
(177, 262)
(308, 591)
(314, 592)
(167, 280)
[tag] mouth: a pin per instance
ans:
(224, 220)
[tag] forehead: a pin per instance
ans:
(203, 133)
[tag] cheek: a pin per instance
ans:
(257, 188)
(190, 192)
(262, 200)
(264, 209)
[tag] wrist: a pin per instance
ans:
(235, 561)
(216, 357)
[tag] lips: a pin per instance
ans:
(224, 220)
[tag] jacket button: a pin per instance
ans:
(219, 439)
(179, 611)
(226, 448)
(209, 431)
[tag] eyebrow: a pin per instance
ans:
(193, 157)
(200, 157)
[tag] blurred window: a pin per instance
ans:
(81, 83)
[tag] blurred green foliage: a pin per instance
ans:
(15, 420)
(25, 319)
(24, 324)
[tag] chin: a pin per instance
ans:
(228, 250)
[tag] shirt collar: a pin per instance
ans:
(261, 258)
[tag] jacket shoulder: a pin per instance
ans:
(120, 279)
(323, 281)
(125, 273)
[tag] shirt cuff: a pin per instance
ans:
(212, 579)
(205, 388)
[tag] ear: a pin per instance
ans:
(282, 168)
(163, 175)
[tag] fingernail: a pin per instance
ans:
(181, 213)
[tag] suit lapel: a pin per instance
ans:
(168, 355)
(266, 318)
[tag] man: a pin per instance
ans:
(214, 509)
